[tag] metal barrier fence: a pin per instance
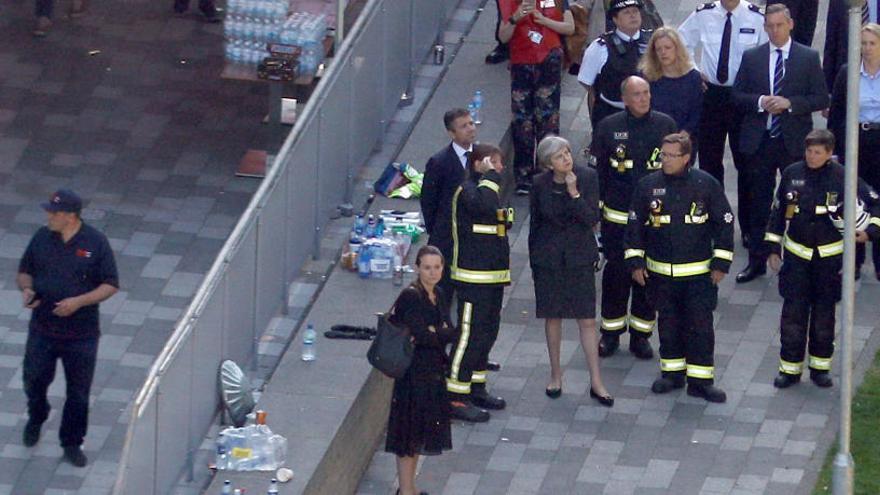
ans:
(338, 128)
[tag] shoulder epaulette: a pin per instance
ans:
(646, 32)
(705, 6)
(756, 9)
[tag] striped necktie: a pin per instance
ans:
(866, 16)
(778, 76)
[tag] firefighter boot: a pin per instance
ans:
(640, 347)
(608, 344)
(785, 380)
(821, 378)
(481, 398)
(668, 383)
(709, 392)
(461, 408)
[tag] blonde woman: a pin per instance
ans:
(676, 86)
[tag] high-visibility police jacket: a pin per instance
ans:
(480, 253)
(806, 203)
(679, 226)
(626, 149)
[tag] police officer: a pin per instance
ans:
(721, 31)
(627, 147)
(613, 57)
(480, 268)
(679, 242)
(809, 200)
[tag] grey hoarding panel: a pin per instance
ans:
(365, 66)
(173, 437)
(302, 197)
(271, 246)
(239, 303)
(396, 24)
(208, 339)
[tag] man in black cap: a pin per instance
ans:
(613, 57)
(67, 269)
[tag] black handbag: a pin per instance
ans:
(392, 350)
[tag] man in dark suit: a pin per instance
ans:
(444, 172)
(778, 87)
(805, 14)
(837, 32)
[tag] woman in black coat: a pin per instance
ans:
(418, 423)
(564, 208)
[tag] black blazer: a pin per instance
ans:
(443, 175)
(561, 228)
(804, 85)
(836, 41)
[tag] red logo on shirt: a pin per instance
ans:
(82, 253)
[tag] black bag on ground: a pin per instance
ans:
(392, 350)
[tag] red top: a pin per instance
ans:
(523, 46)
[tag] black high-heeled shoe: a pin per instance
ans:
(553, 393)
(605, 400)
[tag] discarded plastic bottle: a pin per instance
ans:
(273, 487)
(359, 224)
(370, 231)
(380, 228)
(227, 488)
(478, 105)
(308, 350)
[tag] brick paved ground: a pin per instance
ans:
(761, 441)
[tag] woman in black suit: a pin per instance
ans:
(418, 423)
(869, 122)
(564, 207)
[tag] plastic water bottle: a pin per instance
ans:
(273, 487)
(473, 111)
(227, 488)
(359, 224)
(308, 352)
(380, 227)
(364, 256)
(371, 227)
(478, 104)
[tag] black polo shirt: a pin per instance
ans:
(61, 270)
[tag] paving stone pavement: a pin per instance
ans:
(761, 441)
(125, 106)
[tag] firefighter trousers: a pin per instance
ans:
(619, 294)
(685, 326)
(479, 318)
(810, 290)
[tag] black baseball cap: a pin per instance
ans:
(63, 200)
(617, 5)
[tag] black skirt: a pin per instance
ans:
(565, 293)
(419, 419)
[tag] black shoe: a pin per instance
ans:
(553, 393)
(785, 380)
(754, 270)
(523, 188)
(75, 456)
(31, 434)
(821, 378)
(462, 410)
(608, 344)
(640, 347)
(709, 392)
(481, 398)
(493, 366)
(877, 274)
(605, 400)
(858, 274)
(666, 384)
(498, 55)
(746, 241)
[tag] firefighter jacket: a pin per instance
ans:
(626, 149)
(807, 205)
(679, 226)
(480, 252)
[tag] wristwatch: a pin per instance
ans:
(512, 19)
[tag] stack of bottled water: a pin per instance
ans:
(250, 448)
(306, 31)
(249, 26)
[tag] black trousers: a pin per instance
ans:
(624, 303)
(869, 169)
(205, 6)
(479, 319)
(805, 14)
(810, 290)
(498, 25)
(757, 186)
(685, 326)
(78, 358)
(445, 282)
(719, 122)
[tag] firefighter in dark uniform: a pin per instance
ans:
(806, 224)
(613, 57)
(480, 269)
(627, 147)
(679, 243)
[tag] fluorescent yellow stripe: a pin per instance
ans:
(641, 325)
(832, 249)
(614, 216)
(723, 254)
(821, 210)
(790, 368)
(679, 269)
(634, 253)
(480, 277)
(875, 221)
(822, 364)
(485, 229)
(797, 249)
(614, 324)
(677, 364)
(771, 237)
(489, 184)
(696, 219)
(662, 218)
(696, 371)
(478, 377)
(620, 165)
(452, 383)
